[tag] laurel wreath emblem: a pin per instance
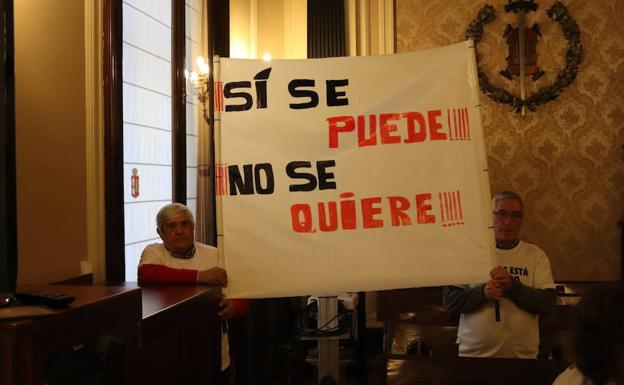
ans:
(573, 58)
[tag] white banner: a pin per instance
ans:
(352, 174)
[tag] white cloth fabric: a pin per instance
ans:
(573, 376)
(516, 335)
(205, 258)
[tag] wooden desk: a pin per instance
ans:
(26, 345)
(171, 334)
(471, 371)
(180, 335)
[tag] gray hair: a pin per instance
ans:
(173, 210)
(506, 195)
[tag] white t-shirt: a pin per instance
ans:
(205, 258)
(516, 335)
(572, 376)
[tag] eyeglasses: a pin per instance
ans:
(502, 214)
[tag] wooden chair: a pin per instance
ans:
(416, 315)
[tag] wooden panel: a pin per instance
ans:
(411, 314)
(472, 371)
(438, 341)
(113, 140)
(180, 320)
(158, 367)
(580, 288)
(180, 334)
(178, 101)
(219, 22)
(28, 344)
(81, 280)
(419, 305)
(8, 214)
(200, 342)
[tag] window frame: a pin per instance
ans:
(218, 43)
(8, 197)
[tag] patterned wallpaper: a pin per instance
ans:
(566, 159)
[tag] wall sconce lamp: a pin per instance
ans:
(200, 85)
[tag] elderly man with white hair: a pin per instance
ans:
(499, 318)
(179, 259)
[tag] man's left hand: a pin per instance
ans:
(227, 309)
(501, 275)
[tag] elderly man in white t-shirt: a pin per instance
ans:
(179, 259)
(499, 318)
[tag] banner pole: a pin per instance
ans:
(218, 177)
(328, 346)
(486, 198)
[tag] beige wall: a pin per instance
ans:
(296, 29)
(240, 29)
(271, 28)
(276, 27)
(50, 136)
(566, 159)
